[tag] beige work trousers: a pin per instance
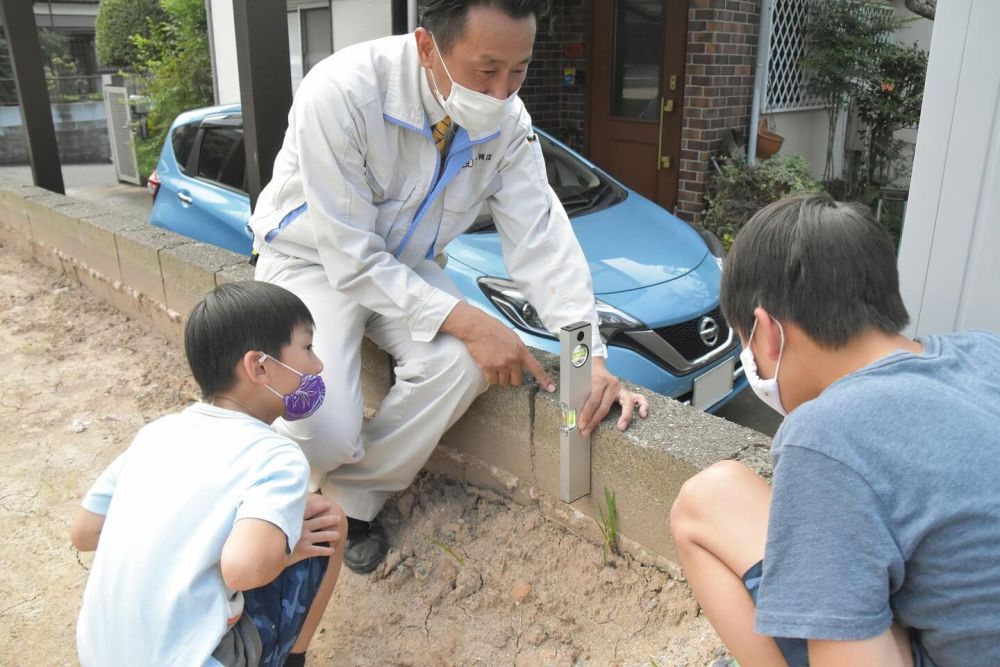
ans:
(361, 464)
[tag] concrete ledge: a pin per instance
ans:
(508, 441)
(14, 215)
(189, 271)
(139, 258)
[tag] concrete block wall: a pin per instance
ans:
(149, 273)
(81, 133)
(508, 441)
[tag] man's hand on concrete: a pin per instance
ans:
(605, 391)
(498, 351)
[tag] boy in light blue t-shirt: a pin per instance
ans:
(209, 550)
(878, 542)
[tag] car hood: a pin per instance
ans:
(628, 246)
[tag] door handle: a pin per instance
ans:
(184, 198)
(663, 161)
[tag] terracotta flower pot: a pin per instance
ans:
(768, 143)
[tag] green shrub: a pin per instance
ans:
(743, 189)
(889, 100)
(117, 22)
(175, 68)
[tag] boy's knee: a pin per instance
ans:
(710, 488)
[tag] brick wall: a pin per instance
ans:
(558, 108)
(719, 74)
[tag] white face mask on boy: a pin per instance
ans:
(476, 112)
(766, 390)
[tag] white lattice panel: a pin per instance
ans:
(786, 80)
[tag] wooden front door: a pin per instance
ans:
(637, 93)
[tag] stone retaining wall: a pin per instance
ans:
(509, 439)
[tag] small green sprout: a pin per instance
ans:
(608, 523)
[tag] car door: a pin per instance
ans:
(211, 200)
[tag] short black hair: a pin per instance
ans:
(827, 266)
(445, 19)
(236, 318)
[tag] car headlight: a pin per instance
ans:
(510, 301)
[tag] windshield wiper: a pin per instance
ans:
(575, 204)
(599, 195)
(584, 203)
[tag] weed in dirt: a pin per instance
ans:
(448, 550)
(608, 523)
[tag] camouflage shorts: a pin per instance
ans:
(279, 609)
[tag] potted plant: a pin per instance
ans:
(768, 142)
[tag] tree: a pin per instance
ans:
(117, 22)
(889, 101)
(174, 65)
(844, 41)
(56, 60)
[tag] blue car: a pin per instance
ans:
(656, 278)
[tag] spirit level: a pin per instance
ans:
(574, 388)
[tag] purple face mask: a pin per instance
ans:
(306, 399)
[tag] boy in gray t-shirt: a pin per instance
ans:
(879, 541)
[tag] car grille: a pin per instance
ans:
(679, 348)
(686, 337)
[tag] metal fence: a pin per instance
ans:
(61, 89)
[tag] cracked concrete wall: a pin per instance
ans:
(508, 440)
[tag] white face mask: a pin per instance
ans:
(766, 390)
(476, 112)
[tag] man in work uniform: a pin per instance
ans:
(393, 147)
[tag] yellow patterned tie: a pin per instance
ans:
(440, 132)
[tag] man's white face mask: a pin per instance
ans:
(766, 390)
(476, 112)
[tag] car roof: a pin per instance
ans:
(210, 114)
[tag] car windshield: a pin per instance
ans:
(580, 188)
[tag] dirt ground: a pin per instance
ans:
(472, 578)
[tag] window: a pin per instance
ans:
(295, 49)
(317, 36)
(183, 142)
(638, 50)
(310, 35)
(222, 157)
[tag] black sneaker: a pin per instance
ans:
(367, 545)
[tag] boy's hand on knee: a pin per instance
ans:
(321, 530)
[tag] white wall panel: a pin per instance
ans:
(950, 252)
